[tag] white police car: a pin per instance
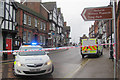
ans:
(33, 62)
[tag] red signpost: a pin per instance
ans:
(99, 13)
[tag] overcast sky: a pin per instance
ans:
(72, 10)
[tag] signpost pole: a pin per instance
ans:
(115, 44)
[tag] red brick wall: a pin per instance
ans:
(43, 12)
(35, 6)
(96, 26)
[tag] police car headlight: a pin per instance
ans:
(48, 63)
(19, 64)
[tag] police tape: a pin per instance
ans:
(51, 49)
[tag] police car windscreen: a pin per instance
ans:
(32, 53)
(30, 48)
(88, 42)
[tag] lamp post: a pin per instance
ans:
(1, 38)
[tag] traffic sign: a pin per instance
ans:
(99, 13)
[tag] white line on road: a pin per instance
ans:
(71, 74)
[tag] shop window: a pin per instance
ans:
(24, 37)
(41, 40)
(29, 37)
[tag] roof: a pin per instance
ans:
(49, 5)
(30, 11)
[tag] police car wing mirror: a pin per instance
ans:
(15, 53)
(47, 52)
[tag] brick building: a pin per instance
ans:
(66, 31)
(92, 31)
(33, 24)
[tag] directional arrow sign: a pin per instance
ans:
(100, 13)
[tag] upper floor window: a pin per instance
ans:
(44, 26)
(58, 29)
(25, 22)
(29, 20)
(1, 4)
(35, 22)
(53, 26)
(50, 16)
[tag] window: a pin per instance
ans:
(58, 29)
(2, 8)
(35, 22)
(44, 26)
(24, 37)
(53, 27)
(1, 4)
(40, 40)
(44, 40)
(29, 37)
(41, 25)
(29, 20)
(50, 17)
(50, 28)
(24, 18)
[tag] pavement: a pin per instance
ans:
(101, 67)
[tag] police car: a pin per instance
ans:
(32, 62)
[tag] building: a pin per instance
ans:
(33, 24)
(92, 32)
(60, 28)
(56, 24)
(52, 7)
(8, 26)
(66, 31)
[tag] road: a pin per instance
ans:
(68, 64)
(65, 63)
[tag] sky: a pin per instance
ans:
(72, 10)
